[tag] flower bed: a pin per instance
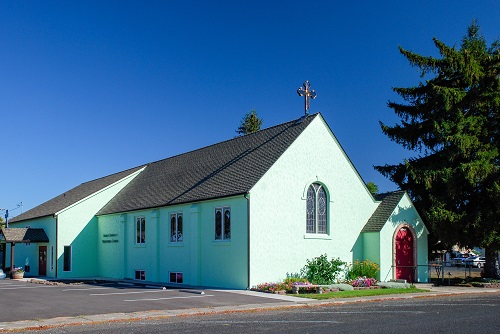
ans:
(281, 287)
(364, 282)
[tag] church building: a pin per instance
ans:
(231, 215)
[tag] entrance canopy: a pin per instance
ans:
(23, 235)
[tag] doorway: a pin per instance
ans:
(42, 260)
(405, 255)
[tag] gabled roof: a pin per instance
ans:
(72, 196)
(228, 168)
(383, 211)
(27, 234)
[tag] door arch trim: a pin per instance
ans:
(414, 248)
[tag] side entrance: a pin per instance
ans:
(404, 246)
(42, 260)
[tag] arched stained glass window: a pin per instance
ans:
(317, 209)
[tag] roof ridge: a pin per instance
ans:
(226, 168)
(103, 177)
(231, 139)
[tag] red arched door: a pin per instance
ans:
(404, 254)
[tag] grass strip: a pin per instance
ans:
(360, 293)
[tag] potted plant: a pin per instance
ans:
(17, 273)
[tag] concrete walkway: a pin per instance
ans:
(281, 302)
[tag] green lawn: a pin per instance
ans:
(360, 293)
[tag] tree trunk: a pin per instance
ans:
(491, 263)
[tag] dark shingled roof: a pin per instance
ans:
(72, 196)
(228, 168)
(383, 211)
(10, 234)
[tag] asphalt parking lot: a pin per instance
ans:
(30, 301)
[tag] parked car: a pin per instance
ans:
(475, 261)
(459, 260)
(2, 274)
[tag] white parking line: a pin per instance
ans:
(86, 289)
(23, 287)
(128, 293)
(153, 299)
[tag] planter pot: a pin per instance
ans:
(16, 275)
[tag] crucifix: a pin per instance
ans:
(307, 93)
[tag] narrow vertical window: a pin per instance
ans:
(227, 224)
(140, 230)
(67, 258)
(223, 223)
(51, 258)
(218, 224)
(176, 227)
(311, 211)
(316, 209)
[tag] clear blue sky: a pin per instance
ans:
(90, 88)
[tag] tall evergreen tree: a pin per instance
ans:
(250, 123)
(451, 123)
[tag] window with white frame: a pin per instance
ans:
(317, 209)
(176, 277)
(140, 230)
(223, 223)
(176, 227)
(140, 275)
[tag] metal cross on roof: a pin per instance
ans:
(307, 93)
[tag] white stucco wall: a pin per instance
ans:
(279, 244)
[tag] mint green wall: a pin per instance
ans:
(110, 246)
(77, 227)
(371, 248)
(279, 244)
(224, 263)
(405, 213)
(28, 254)
(202, 260)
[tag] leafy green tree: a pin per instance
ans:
(451, 123)
(372, 187)
(250, 123)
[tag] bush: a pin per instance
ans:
(321, 271)
(365, 268)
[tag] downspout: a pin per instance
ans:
(247, 197)
(57, 242)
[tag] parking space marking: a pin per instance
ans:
(86, 289)
(128, 293)
(23, 287)
(166, 298)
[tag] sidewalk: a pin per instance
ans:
(281, 301)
